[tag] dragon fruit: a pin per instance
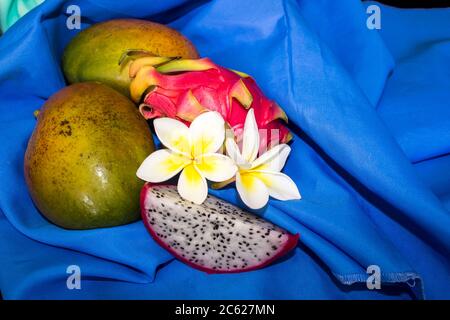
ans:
(184, 88)
(216, 236)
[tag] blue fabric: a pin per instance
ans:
(415, 102)
(364, 202)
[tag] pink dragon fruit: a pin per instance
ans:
(183, 88)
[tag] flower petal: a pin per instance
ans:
(250, 141)
(207, 133)
(252, 191)
(192, 185)
(280, 186)
(273, 159)
(173, 134)
(161, 165)
(216, 167)
(235, 154)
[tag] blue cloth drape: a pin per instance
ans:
(370, 116)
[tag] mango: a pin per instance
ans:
(94, 53)
(82, 158)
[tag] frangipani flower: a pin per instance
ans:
(191, 150)
(257, 178)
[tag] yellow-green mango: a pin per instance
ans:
(94, 53)
(82, 158)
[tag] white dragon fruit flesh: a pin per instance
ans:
(216, 236)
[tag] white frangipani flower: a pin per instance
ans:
(191, 150)
(259, 178)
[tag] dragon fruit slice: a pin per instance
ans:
(184, 88)
(216, 236)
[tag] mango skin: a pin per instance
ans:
(94, 53)
(82, 158)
